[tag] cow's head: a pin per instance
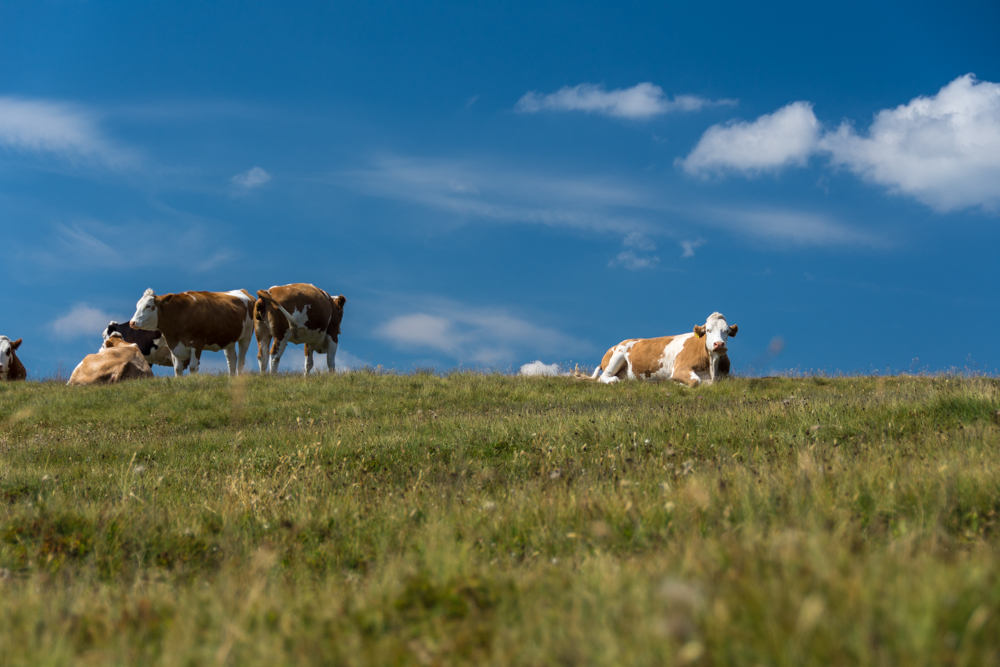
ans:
(7, 347)
(338, 309)
(113, 327)
(716, 332)
(146, 312)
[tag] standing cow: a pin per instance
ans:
(195, 321)
(691, 358)
(300, 314)
(11, 367)
(152, 344)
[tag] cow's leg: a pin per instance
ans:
(195, 360)
(244, 345)
(686, 376)
(263, 342)
(331, 354)
(309, 358)
(230, 352)
(180, 356)
(610, 374)
(278, 349)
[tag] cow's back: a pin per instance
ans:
(203, 319)
(110, 365)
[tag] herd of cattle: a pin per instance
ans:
(174, 329)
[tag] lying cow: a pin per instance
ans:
(11, 367)
(152, 344)
(299, 314)
(192, 322)
(691, 358)
(114, 362)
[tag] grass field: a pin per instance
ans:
(366, 519)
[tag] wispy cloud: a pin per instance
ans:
(252, 178)
(81, 320)
(637, 253)
(475, 190)
(943, 150)
(57, 129)
(474, 334)
(690, 246)
(641, 101)
(538, 368)
(90, 245)
(791, 227)
(478, 190)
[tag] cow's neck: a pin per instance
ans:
(713, 364)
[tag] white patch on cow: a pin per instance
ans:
(6, 355)
(696, 377)
(145, 312)
(607, 379)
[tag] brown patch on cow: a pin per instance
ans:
(647, 356)
(17, 371)
(622, 373)
(116, 361)
(202, 319)
(694, 356)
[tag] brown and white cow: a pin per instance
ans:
(195, 321)
(692, 358)
(299, 314)
(114, 362)
(152, 344)
(11, 367)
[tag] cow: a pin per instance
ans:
(152, 344)
(11, 367)
(114, 362)
(195, 321)
(692, 358)
(299, 314)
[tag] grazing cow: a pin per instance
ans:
(152, 344)
(11, 367)
(195, 321)
(114, 362)
(300, 314)
(691, 358)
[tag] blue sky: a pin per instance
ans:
(495, 183)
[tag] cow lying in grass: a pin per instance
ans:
(692, 358)
(116, 361)
(11, 367)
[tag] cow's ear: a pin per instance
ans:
(733, 329)
(699, 330)
(16, 344)
(340, 300)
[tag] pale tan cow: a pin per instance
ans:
(195, 321)
(300, 314)
(692, 358)
(114, 362)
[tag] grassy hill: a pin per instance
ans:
(412, 519)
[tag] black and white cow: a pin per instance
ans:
(152, 344)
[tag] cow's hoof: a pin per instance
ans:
(608, 379)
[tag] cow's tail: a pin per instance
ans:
(580, 375)
(266, 298)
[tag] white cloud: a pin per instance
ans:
(943, 150)
(81, 320)
(787, 136)
(536, 368)
(33, 126)
(253, 178)
(690, 246)
(641, 101)
(636, 255)
(469, 334)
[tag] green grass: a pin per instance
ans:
(482, 519)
